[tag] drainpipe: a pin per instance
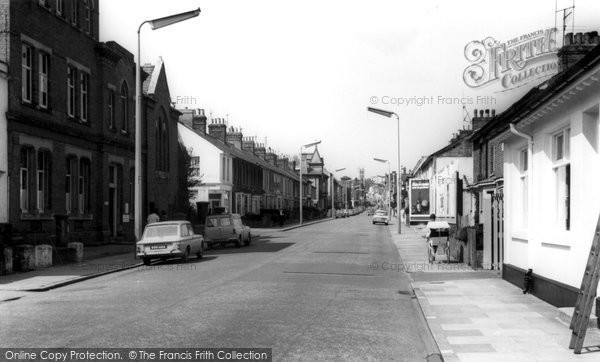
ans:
(529, 139)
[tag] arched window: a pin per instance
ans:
(124, 108)
(165, 143)
(161, 135)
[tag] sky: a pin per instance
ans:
(294, 72)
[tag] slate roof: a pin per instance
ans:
(538, 95)
(243, 154)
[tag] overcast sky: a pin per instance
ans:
(298, 71)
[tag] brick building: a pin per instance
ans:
(53, 118)
(68, 121)
(161, 145)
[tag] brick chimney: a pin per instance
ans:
(199, 121)
(260, 151)
(271, 157)
(283, 162)
(481, 117)
(218, 129)
(234, 137)
(186, 116)
(248, 144)
(575, 47)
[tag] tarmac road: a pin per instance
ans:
(308, 293)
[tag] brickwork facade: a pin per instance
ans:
(71, 127)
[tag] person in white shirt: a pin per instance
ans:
(152, 218)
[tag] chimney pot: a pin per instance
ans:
(493, 112)
(578, 37)
(568, 39)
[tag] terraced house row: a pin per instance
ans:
(237, 173)
(67, 104)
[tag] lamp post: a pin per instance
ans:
(301, 147)
(333, 192)
(154, 24)
(389, 183)
(398, 196)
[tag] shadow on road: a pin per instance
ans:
(261, 244)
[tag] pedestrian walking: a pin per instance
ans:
(280, 217)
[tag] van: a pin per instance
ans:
(223, 229)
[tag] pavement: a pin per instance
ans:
(478, 316)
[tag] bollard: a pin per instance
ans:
(528, 281)
(76, 252)
(24, 257)
(7, 261)
(43, 256)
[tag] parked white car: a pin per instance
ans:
(380, 217)
(168, 239)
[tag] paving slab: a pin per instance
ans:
(477, 316)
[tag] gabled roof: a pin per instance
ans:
(316, 157)
(242, 154)
(150, 74)
(425, 160)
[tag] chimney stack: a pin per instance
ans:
(575, 47)
(234, 137)
(484, 116)
(218, 129)
(248, 144)
(199, 121)
(259, 150)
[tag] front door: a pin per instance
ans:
(113, 204)
(486, 210)
(498, 231)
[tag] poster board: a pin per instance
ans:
(418, 200)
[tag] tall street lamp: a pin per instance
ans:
(333, 192)
(398, 204)
(389, 183)
(301, 147)
(154, 24)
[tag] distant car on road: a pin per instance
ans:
(226, 228)
(380, 217)
(168, 239)
(370, 212)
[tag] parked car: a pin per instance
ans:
(380, 217)
(226, 228)
(168, 239)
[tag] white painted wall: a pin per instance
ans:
(544, 245)
(210, 165)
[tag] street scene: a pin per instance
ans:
(329, 181)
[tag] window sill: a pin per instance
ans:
(81, 217)
(27, 216)
(557, 238)
(520, 234)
